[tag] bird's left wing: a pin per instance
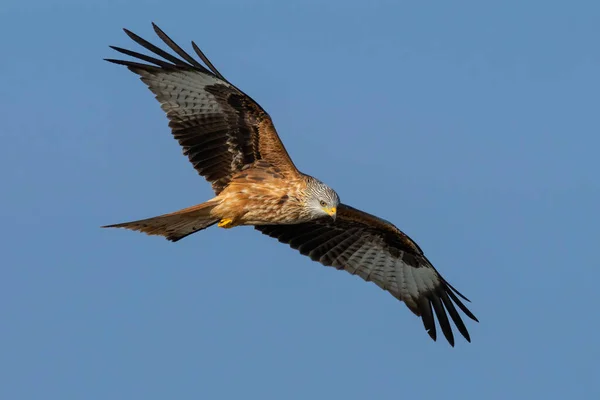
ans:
(221, 129)
(377, 251)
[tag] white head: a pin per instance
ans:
(321, 200)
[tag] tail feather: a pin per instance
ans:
(175, 226)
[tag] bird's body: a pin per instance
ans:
(261, 195)
(231, 141)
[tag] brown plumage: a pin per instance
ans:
(231, 141)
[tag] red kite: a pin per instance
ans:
(231, 141)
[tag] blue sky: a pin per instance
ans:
(473, 127)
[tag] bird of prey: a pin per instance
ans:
(232, 143)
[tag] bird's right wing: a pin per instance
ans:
(377, 251)
(220, 128)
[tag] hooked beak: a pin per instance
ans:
(331, 211)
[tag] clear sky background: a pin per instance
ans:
(473, 126)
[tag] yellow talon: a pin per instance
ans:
(225, 223)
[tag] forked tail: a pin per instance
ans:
(175, 226)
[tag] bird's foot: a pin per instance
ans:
(225, 223)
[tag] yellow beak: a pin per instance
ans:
(331, 211)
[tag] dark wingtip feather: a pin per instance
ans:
(142, 57)
(156, 50)
(132, 65)
(461, 305)
(206, 61)
(427, 317)
(131, 34)
(176, 48)
(442, 318)
(455, 316)
(115, 61)
(454, 289)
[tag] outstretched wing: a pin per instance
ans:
(220, 128)
(377, 251)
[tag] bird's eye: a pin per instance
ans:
(323, 203)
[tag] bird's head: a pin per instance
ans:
(321, 199)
